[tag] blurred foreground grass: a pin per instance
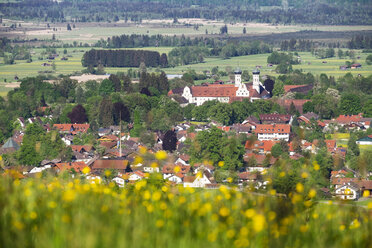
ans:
(60, 212)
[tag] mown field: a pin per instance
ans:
(92, 32)
(57, 212)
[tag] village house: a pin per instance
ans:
(198, 181)
(365, 141)
(72, 128)
(259, 146)
(273, 131)
(118, 165)
(349, 191)
(70, 166)
(275, 119)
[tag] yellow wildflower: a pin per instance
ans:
(159, 223)
(304, 175)
(342, 227)
(161, 155)
(304, 228)
(258, 222)
(156, 196)
(366, 193)
(33, 215)
(224, 211)
(86, 170)
(312, 193)
(177, 169)
(249, 213)
(143, 150)
(299, 187)
(230, 233)
(68, 195)
(316, 166)
(282, 174)
(221, 164)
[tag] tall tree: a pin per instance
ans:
(105, 113)
(78, 115)
(170, 141)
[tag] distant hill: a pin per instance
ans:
(334, 12)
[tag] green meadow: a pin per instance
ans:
(310, 63)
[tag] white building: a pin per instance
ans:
(196, 181)
(273, 131)
(227, 92)
(349, 191)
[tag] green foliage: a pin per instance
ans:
(38, 145)
(278, 88)
(213, 145)
(277, 58)
(106, 87)
(350, 104)
(137, 126)
(369, 59)
(276, 150)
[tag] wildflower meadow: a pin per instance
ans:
(58, 212)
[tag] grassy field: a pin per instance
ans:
(92, 32)
(57, 212)
(73, 64)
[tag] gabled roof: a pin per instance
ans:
(80, 149)
(215, 90)
(76, 166)
(277, 118)
(248, 176)
(264, 145)
(273, 128)
(346, 119)
(116, 164)
(73, 128)
(10, 143)
(331, 144)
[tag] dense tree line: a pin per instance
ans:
(360, 42)
(136, 40)
(123, 58)
(320, 12)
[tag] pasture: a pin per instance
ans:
(309, 63)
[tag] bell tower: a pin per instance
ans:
(238, 77)
(256, 80)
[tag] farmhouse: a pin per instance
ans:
(227, 92)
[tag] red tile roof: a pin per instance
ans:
(289, 87)
(77, 166)
(225, 129)
(298, 103)
(345, 119)
(104, 164)
(77, 148)
(73, 128)
(273, 128)
(220, 90)
(331, 144)
(248, 176)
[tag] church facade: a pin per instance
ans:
(227, 93)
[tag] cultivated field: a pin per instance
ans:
(92, 32)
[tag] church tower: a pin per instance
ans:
(256, 80)
(238, 77)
